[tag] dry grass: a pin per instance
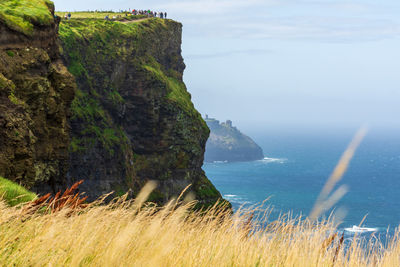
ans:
(126, 233)
(327, 199)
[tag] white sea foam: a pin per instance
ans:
(220, 161)
(236, 199)
(274, 160)
(356, 229)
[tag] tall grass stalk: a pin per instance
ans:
(123, 233)
(326, 200)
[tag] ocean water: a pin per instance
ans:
(296, 166)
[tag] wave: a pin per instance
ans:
(236, 199)
(220, 161)
(274, 160)
(356, 229)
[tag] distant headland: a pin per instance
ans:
(227, 143)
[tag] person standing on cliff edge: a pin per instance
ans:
(165, 15)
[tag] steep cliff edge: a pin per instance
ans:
(35, 94)
(132, 118)
(122, 118)
(227, 143)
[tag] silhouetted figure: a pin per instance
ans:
(161, 15)
(165, 15)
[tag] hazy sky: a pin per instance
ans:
(276, 63)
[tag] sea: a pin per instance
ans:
(297, 165)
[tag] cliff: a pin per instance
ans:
(36, 91)
(123, 119)
(227, 143)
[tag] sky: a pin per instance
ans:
(268, 64)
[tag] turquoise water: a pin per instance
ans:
(297, 166)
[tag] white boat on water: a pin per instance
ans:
(356, 229)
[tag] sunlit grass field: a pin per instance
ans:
(125, 233)
(98, 15)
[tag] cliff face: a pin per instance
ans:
(35, 93)
(120, 115)
(132, 117)
(227, 143)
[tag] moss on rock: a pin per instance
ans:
(132, 101)
(35, 93)
(23, 15)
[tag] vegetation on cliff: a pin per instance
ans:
(84, 56)
(35, 93)
(23, 15)
(106, 34)
(132, 116)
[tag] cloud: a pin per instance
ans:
(327, 29)
(338, 5)
(249, 52)
(309, 28)
(212, 7)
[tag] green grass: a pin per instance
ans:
(176, 89)
(14, 194)
(23, 15)
(10, 53)
(86, 108)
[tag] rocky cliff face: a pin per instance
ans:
(122, 118)
(36, 91)
(132, 118)
(227, 143)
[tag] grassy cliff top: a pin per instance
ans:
(110, 35)
(98, 15)
(23, 15)
(89, 24)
